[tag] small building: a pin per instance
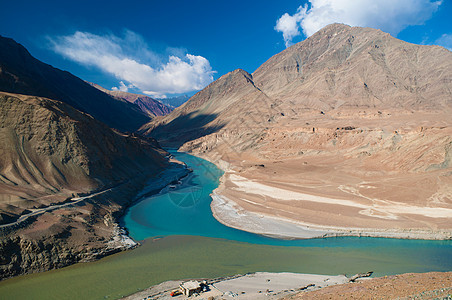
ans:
(190, 287)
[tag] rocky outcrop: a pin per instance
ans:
(57, 239)
(360, 275)
(19, 254)
(80, 233)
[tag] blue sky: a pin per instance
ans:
(175, 47)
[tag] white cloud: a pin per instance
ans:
(388, 15)
(130, 60)
(289, 25)
(122, 87)
(155, 95)
(445, 40)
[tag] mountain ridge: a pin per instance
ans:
(21, 73)
(49, 148)
(148, 105)
(336, 45)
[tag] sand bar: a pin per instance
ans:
(277, 210)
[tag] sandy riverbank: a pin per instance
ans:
(277, 200)
(230, 214)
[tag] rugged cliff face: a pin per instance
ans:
(67, 235)
(348, 114)
(50, 153)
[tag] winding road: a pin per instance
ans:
(40, 211)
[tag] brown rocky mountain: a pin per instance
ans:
(348, 132)
(148, 105)
(49, 154)
(49, 148)
(21, 73)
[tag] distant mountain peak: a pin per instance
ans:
(358, 65)
(148, 105)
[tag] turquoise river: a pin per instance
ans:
(181, 239)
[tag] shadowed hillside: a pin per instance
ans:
(21, 73)
(50, 150)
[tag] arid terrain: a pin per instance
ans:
(434, 285)
(346, 133)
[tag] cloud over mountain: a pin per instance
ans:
(388, 15)
(131, 61)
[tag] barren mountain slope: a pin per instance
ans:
(209, 110)
(358, 67)
(49, 153)
(149, 106)
(21, 73)
(349, 131)
(48, 149)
